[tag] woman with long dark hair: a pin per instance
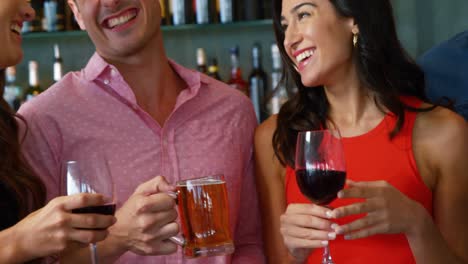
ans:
(30, 229)
(405, 201)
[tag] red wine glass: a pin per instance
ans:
(91, 175)
(320, 169)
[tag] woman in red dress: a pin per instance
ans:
(406, 159)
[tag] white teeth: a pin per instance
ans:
(113, 22)
(304, 55)
(16, 28)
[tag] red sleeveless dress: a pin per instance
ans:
(370, 157)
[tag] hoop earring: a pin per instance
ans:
(355, 39)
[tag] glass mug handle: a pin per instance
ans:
(178, 240)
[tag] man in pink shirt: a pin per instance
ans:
(150, 117)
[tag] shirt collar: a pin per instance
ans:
(97, 66)
(192, 78)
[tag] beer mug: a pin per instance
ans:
(204, 217)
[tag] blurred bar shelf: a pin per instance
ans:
(180, 43)
(187, 27)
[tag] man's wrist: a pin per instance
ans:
(112, 248)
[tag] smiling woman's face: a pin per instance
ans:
(317, 39)
(12, 15)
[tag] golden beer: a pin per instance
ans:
(204, 216)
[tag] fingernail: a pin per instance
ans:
(334, 226)
(340, 194)
(332, 235)
(339, 230)
(325, 242)
(173, 195)
(329, 214)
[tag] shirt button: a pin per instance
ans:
(106, 82)
(113, 72)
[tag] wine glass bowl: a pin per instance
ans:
(320, 186)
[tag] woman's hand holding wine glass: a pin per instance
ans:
(306, 227)
(320, 175)
(55, 227)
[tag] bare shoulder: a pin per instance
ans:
(443, 136)
(442, 126)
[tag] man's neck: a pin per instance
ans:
(155, 84)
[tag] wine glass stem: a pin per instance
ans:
(327, 259)
(94, 257)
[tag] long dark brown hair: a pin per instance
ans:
(28, 190)
(382, 65)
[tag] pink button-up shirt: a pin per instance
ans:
(210, 131)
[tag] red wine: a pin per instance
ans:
(107, 209)
(320, 186)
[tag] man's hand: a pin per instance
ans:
(147, 220)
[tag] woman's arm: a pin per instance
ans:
(52, 228)
(441, 151)
(271, 190)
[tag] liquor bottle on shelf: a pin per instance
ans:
(213, 70)
(58, 64)
(236, 81)
(50, 15)
(12, 93)
(165, 14)
(277, 95)
(201, 60)
(226, 11)
(251, 10)
(202, 11)
(181, 11)
(61, 16)
(34, 88)
(238, 10)
(258, 83)
(214, 11)
(267, 7)
(54, 15)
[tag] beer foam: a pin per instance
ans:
(200, 182)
